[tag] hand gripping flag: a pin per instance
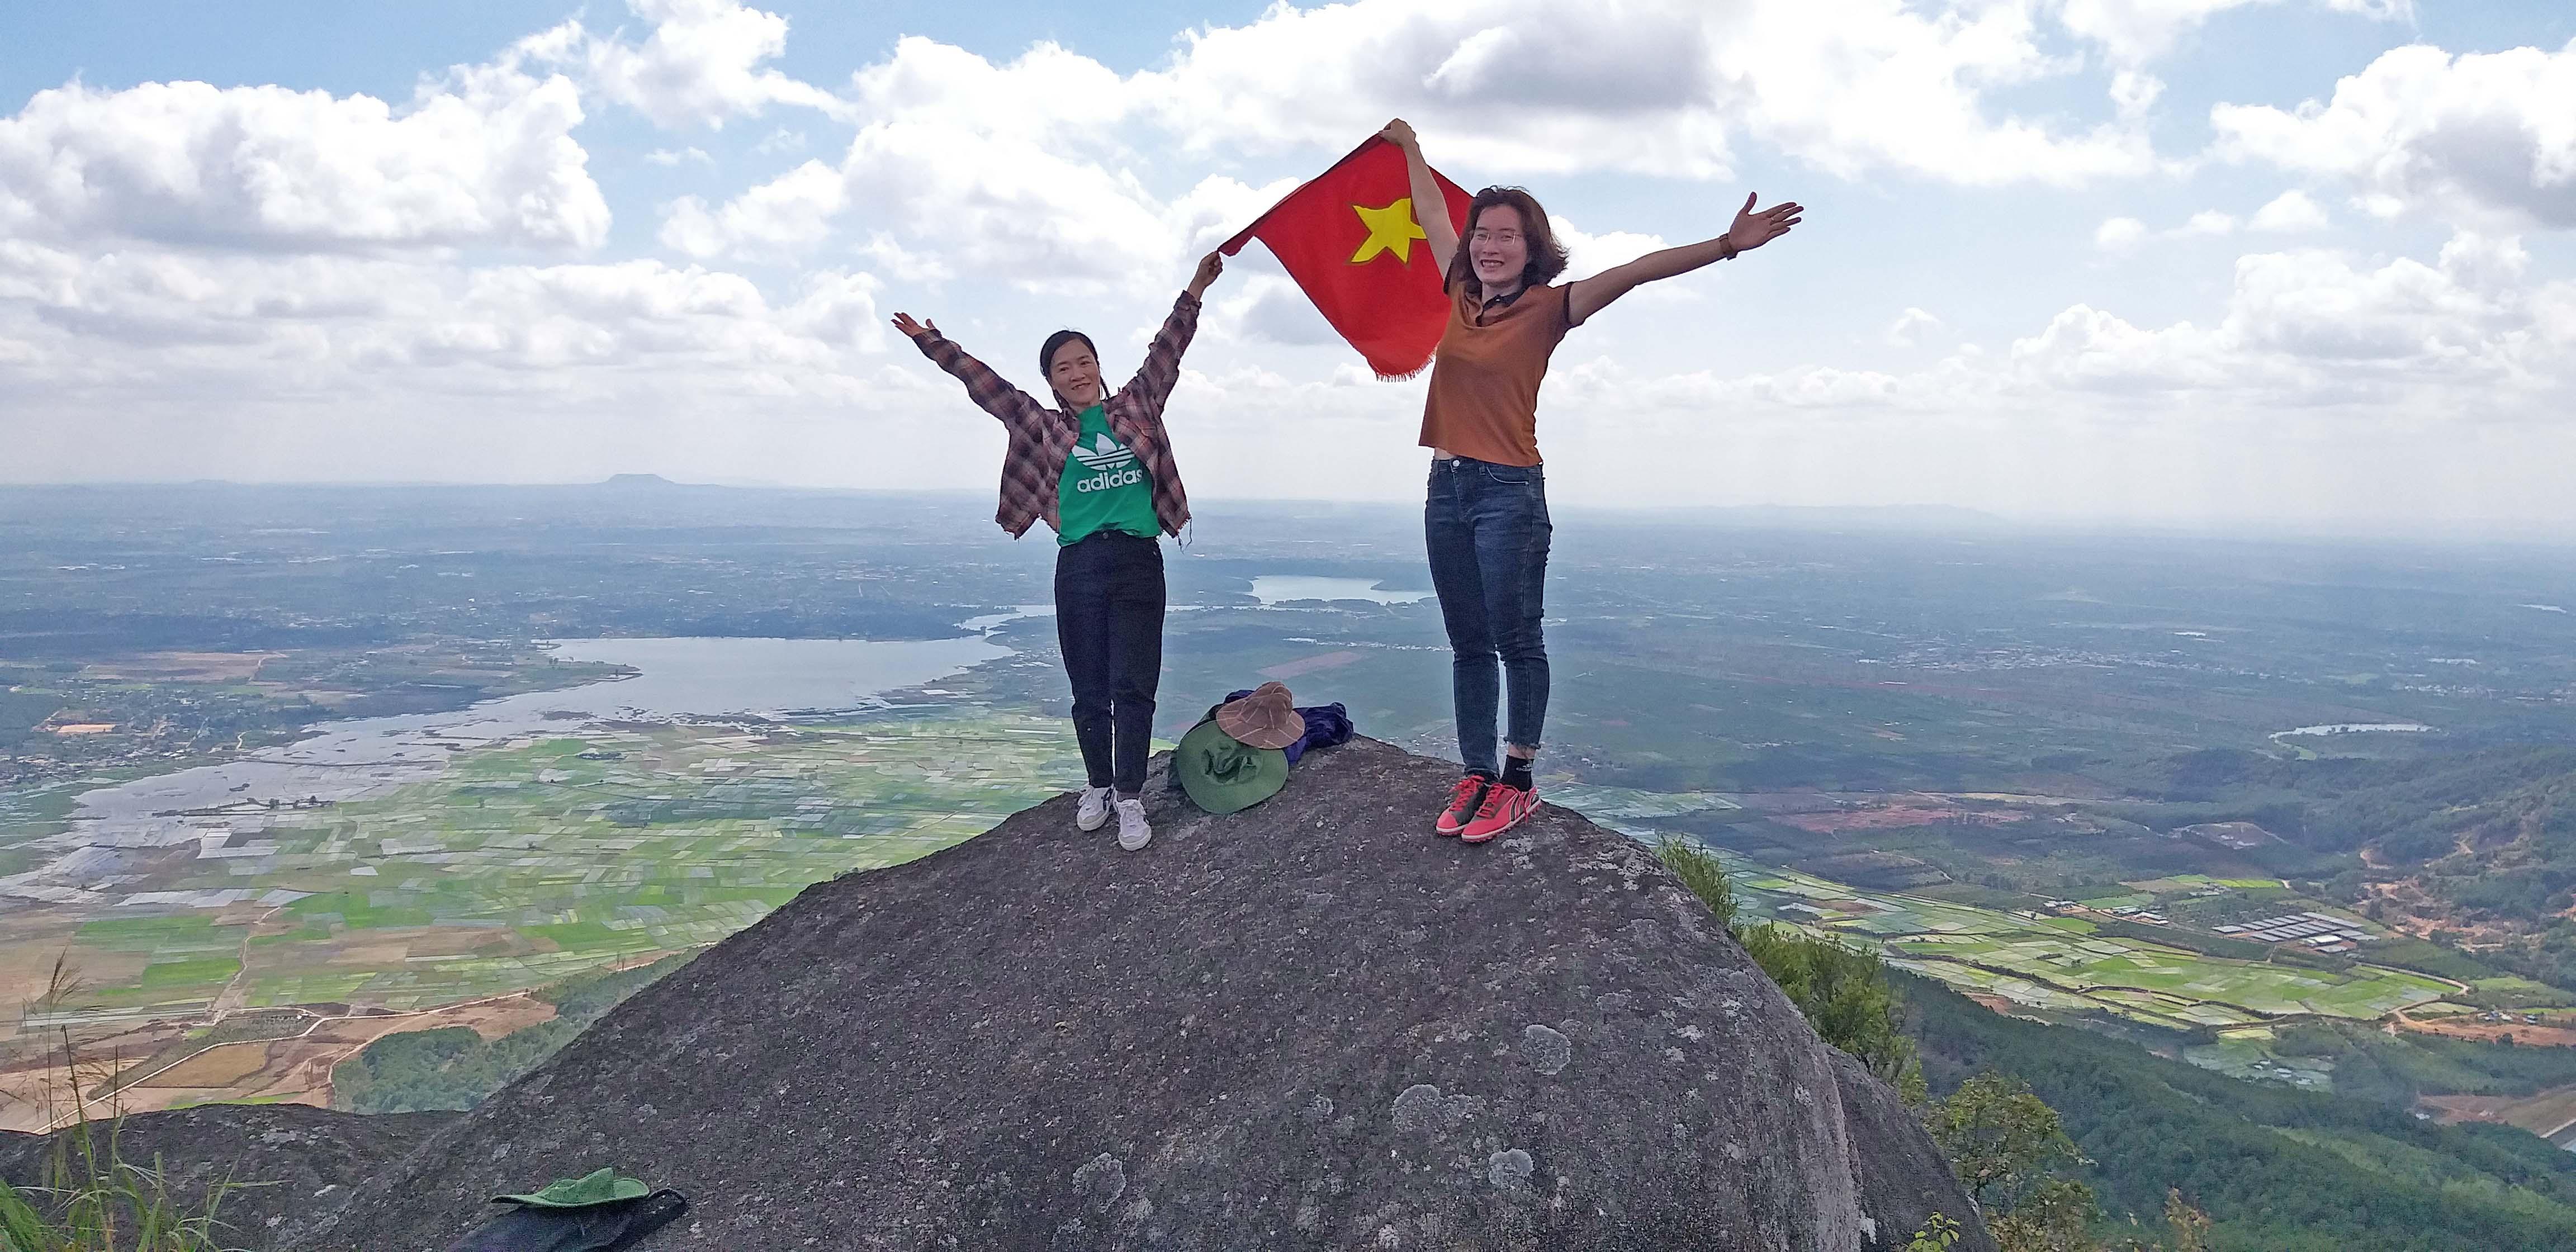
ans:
(1348, 239)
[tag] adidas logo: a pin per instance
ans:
(1127, 477)
(1104, 455)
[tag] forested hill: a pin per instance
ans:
(2480, 843)
(2280, 1170)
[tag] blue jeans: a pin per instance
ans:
(1486, 528)
(1109, 625)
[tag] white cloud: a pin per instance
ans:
(671, 156)
(968, 165)
(902, 263)
(2131, 31)
(1004, 206)
(2489, 135)
(700, 65)
(1521, 86)
(1863, 86)
(1269, 309)
(2119, 234)
(2289, 213)
(2133, 93)
(948, 195)
(1588, 254)
(1632, 86)
(2089, 349)
(789, 213)
(2306, 328)
(1033, 168)
(1047, 92)
(484, 157)
(143, 322)
(2483, 262)
(1910, 323)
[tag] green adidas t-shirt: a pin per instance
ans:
(1103, 486)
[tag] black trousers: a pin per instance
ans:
(1109, 624)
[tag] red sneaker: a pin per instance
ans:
(1462, 805)
(1504, 807)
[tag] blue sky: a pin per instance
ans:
(2200, 261)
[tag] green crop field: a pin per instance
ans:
(522, 865)
(2059, 964)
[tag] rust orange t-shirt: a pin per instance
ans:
(1485, 375)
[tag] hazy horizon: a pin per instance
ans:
(1918, 517)
(2305, 262)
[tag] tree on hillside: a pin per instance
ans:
(2004, 1142)
(2009, 1148)
(2056, 1216)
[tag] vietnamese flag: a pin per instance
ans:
(1348, 237)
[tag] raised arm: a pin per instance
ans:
(1161, 371)
(1430, 208)
(988, 390)
(1751, 230)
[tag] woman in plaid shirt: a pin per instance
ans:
(1097, 466)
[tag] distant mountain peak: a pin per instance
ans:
(633, 481)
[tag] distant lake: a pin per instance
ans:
(760, 676)
(1274, 589)
(680, 677)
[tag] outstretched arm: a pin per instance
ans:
(1162, 368)
(1430, 208)
(993, 395)
(1751, 230)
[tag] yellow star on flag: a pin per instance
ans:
(1391, 229)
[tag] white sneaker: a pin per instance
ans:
(1093, 812)
(1133, 833)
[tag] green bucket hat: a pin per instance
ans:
(605, 1186)
(1223, 774)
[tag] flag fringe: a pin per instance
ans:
(1406, 376)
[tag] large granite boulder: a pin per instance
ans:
(1311, 1024)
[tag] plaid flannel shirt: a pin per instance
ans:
(1042, 438)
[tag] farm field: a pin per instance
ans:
(2550, 1114)
(2048, 963)
(514, 868)
(2054, 964)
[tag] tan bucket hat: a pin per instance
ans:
(1265, 719)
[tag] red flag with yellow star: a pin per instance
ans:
(1348, 237)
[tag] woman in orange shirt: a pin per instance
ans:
(1485, 521)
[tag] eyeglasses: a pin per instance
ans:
(1481, 235)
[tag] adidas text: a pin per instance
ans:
(1116, 478)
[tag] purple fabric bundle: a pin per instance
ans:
(1327, 726)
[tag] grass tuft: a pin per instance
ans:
(1700, 870)
(91, 1198)
(1843, 991)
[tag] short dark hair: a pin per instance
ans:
(1046, 355)
(1546, 255)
